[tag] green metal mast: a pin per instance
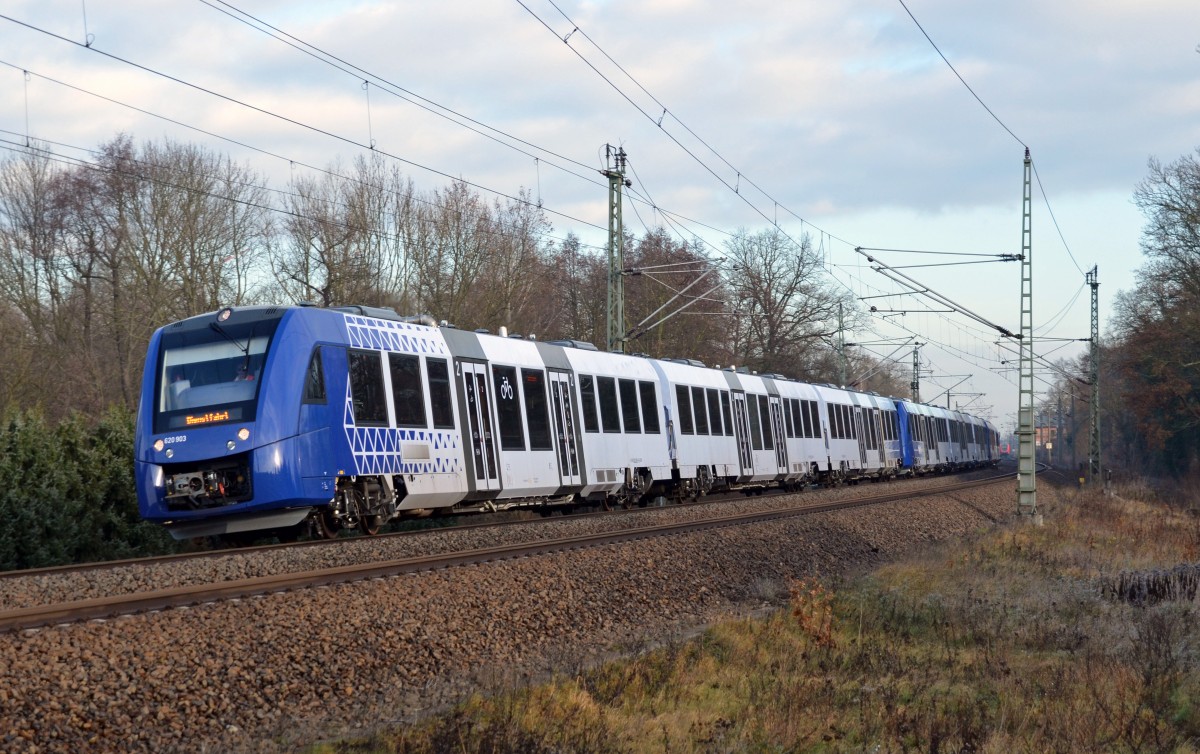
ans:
(916, 378)
(841, 345)
(615, 172)
(1026, 463)
(1093, 279)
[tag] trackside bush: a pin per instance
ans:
(67, 492)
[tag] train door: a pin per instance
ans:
(742, 431)
(781, 462)
(933, 447)
(877, 430)
(860, 430)
(562, 409)
(479, 425)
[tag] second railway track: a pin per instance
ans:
(105, 607)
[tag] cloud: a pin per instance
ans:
(841, 112)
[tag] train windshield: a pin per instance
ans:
(211, 376)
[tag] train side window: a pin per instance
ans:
(755, 426)
(851, 425)
(814, 417)
(440, 399)
(701, 410)
(629, 405)
(408, 393)
(587, 394)
(366, 388)
(683, 397)
(610, 414)
(726, 414)
(833, 425)
(764, 410)
(508, 408)
(649, 408)
(789, 415)
(314, 380)
(537, 412)
(714, 412)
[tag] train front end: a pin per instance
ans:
(205, 427)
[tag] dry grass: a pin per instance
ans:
(1008, 642)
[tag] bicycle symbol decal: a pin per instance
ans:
(506, 390)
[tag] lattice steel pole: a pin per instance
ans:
(1026, 461)
(916, 378)
(1094, 473)
(616, 257)
(841, 345)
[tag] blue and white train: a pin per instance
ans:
(286, 418)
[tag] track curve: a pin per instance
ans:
(162, 599)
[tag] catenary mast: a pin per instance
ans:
(1093, 279)
(615, 172)
(1026, 462)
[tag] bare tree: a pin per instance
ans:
(516, 269)
(675, 300)
(782, 307)
(450, 258)
(1156, 360)
(325, 253)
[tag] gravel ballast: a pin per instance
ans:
(269, 673)
(17, 591)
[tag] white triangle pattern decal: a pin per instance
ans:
(378, 450)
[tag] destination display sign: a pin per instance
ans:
(213, 416)
(209, 418)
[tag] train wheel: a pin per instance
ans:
(324, 525)
(370, 525)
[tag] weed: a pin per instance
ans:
(812, 607)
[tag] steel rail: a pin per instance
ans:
(153, 560)
(109, 607)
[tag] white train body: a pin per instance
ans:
(359, 415)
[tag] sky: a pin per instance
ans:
(839, 120)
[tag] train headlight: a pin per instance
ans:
(170, 453)
(158, 445)
(231, 444)
(243, 434)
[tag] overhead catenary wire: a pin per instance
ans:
(20, 148)
(735, 188)
(1003, 125)
(287, 119)
(392, 88)
(663, 110)
(742, 180)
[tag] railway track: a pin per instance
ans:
(104, 608)
(338, 542)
